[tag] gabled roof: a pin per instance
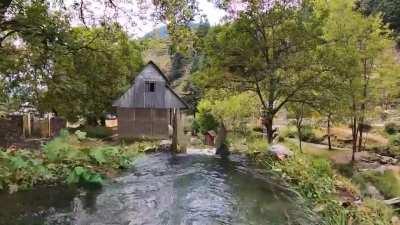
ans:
(133, 97)
(159, 70)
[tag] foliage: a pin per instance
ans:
(100, 132)
(315, 180)
(22, 169)
(250, 142)
(373, 212)
(392, 128)
(288, 131)
(387, 182)
(232, 110)
(394, 140)
(204, 120)
(65, 158)
(263, 51)
(388, 8)
(81, 175)
(86, 82)
(313, 176)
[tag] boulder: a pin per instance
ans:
(165, 145)
(280, 151)
(387, 160)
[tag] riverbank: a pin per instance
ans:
(332, 196)
(68, 158)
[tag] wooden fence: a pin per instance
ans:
(26, 126)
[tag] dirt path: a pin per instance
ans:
(337, 155)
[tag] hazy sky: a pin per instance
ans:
(134, 20)
(207, 8)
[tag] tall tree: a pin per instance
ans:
(271, 49)
(85, 82)
(358, 42)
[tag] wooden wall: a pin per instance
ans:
(143, 123)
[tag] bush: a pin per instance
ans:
(65, 158)
(97, 132)
(394, 140)
(81, 175)
(204, 122)
(392, 128)
(289, 132)
(373, 212)
(313, 177)
(315, 180)
(258, 129)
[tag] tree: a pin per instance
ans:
(357, 42)
(228, 110)
(389, 9)
(84, 83)
(270, 49)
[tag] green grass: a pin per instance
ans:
(388, 182)
(315, 179)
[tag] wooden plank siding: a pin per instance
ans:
(143, 123)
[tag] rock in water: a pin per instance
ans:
(223, 151)
(280, 151)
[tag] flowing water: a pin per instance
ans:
(163, 189)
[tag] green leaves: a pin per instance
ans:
(81, 175)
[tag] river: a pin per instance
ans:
(163, 189)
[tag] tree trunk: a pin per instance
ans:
(174, 141)
(360, 134)
(270, 131)
(221, 135)
(300, 134)
(91, 120)
(354, 132)
(329, 132)
(103, 120)
(299, 124)
(363, 106)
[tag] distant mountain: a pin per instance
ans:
(162, 32)
(158, 33)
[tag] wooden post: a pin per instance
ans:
(174, 142)
(29, 125)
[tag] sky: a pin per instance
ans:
(207, 8)
(136, 21)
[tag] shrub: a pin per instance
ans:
(66, 157)
(309, 135)
(81, 175)
(257, 145)
(313, 177)
(394, 140)
(373, 212)
(204, 122)
(97, 132)
(289, 132)
(392, 128)
(258, 129)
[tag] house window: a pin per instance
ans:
(150, 86)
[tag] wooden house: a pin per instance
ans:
(149, 107)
